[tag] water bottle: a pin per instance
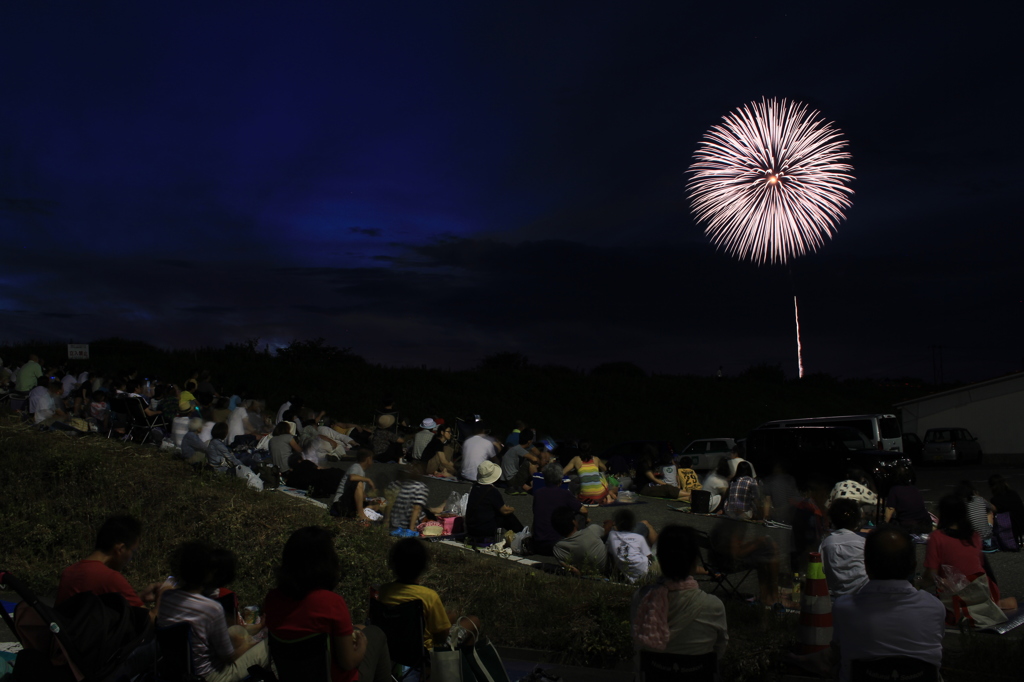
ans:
(797, 585)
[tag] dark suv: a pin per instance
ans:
(825, 450)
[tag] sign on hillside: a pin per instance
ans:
(78, 351)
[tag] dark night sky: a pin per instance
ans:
(430, 183)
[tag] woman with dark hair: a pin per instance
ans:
(744, 497)
(956, 544)
(904, 505)
(1007, 501)
(674, 615)
(283, 444)
(593, 483)
(304, 603)
(218, 655)
(980, 513)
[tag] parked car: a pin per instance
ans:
(704, 453)
(913, 447)
(883, 430)
(622, 457)
(951, 444)
(825, 450)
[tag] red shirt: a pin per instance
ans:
(96, 577)
(963, 556)
(319, 611)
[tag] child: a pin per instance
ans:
(408, 561)
(99, 410)
(686, 478)
(630, 545)
(350, 497)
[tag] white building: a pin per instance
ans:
(993, 411)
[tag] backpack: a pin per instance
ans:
(1002, 532)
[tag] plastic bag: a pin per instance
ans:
(517, 541)
(951, 580)
(251, 478)
(451, 505)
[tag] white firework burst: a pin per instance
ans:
(771, 181)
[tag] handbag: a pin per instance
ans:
(700, 501)
(1002, 531)
(457, 662)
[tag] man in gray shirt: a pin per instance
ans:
(513, 457)
(579, 548)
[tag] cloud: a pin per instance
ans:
(368, 231)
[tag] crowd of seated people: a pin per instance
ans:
(830, 519)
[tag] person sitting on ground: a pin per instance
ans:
(437, 454)
(731, 550)
(239, 424)
(304, 603)
(735, 457)
(888, 616)
(717, 483)
(410, 507)
(29, 375)
(859, 487)
(744, 498)
(580, 549)
(117, 541)
(218, 454)
(686, 478)
(338, 442)
(303, 474)
(674, 615)
(408, 560)
(1007, 501)
(387, 445)
(629, 545)
(187, 399)
(513, 461)
(780, 494)
(842, 551)
(99, 411)
(45, 405)
(980, 512)
(512, 439)
(426, 433)
(956, 546)
(904, 505)
(350, 498)
(486, 510)
(649, 481)
(478, 448)
(283, 445)
(545, 501)
(593, 482)
(193, 449)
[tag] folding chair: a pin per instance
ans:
(403, 625)
(307, 659)
(138, 420)
(174, 658)
(720, 568)
(662, 667)
(895, 668)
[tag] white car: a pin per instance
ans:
(705, 452)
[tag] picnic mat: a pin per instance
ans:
(1013, 620)
(300, 495)
(500, 555)
(616, 503)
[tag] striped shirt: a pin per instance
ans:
(211, 646)
(410, 493)
(977, 511)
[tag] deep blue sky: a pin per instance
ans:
(430, 183)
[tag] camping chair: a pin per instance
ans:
(893, 668)
(119, 415)
(720, 568)
(138, 420)
(174, 657)
(307, 659)
(661, 667)
(403, 625)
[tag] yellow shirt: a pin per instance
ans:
(434, 616)
(185, 401)
(686, 479)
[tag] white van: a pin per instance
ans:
(883, 430)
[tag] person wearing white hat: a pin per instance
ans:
(486, 510)
(422, 437)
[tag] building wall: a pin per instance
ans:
(995, 416)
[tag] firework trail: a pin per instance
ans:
(770, 181)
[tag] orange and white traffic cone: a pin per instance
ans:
(815, 609)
